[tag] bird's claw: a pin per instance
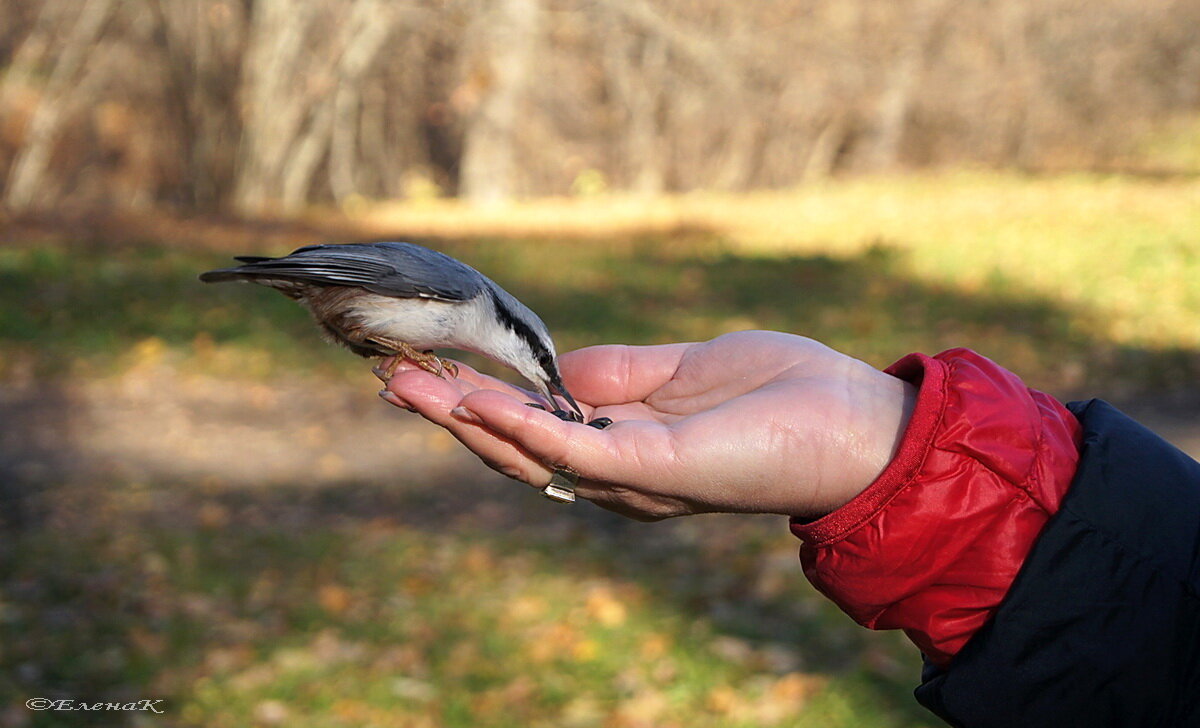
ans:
(427, 360)
(438, 369)
(385, 374)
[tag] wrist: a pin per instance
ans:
(882, 411)
(982, 465)
(896, 401)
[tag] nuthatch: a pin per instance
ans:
(401, 300)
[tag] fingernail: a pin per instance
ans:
(390, 397)
(380, 373)
(466, 415)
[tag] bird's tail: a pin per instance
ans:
(295, 269)
(246, 272)
(229, 274)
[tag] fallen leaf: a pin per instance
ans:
(271, 712)
(604, 607)
(333, 598)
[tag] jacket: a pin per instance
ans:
(1045, 558)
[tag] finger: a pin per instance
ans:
(615, 373)
(417, 386)
(626, 451)
(554, 441)
(468, 380)
(434, 398)
(636, 451)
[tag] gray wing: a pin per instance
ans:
(400, 270)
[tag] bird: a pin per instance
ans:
(403, 300)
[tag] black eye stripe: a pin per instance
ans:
(544, 358)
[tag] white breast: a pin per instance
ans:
(424, 323)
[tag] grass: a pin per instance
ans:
(1078, 283)
(257, 611)
(359, 604)
(1123, 249)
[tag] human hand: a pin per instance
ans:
(750, 422)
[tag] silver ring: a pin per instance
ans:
(562, 486)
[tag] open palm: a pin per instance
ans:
(754, 421)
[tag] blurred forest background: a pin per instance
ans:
(201, 502)
(263, 106)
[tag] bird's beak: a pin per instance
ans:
(559, 389)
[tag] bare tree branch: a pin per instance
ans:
(31, 165)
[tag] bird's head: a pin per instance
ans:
(524, 344)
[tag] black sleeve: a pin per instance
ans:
(1102, 624)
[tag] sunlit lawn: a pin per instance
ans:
(248, 609)
(1118, 257)
(1075, 282)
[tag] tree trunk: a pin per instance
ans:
(27, 178)
(370, 26)
(897, 101)
(488, 171)
(274, 109)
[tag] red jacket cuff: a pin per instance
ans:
(932, 546)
